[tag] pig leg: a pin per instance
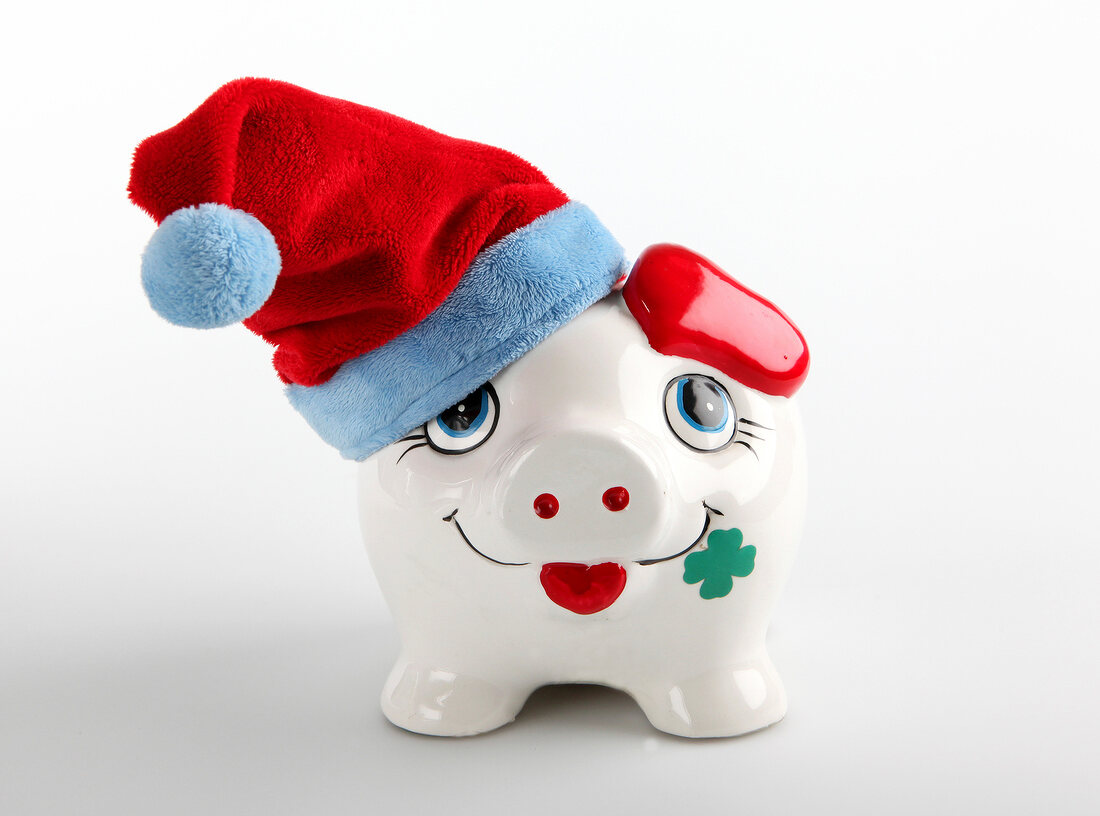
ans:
(719, 702)
(439, 702)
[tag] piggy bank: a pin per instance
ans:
(571, 469)
(599, 512)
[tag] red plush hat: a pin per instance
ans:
(375, 218)
(367, 248)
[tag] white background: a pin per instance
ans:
(188, 623)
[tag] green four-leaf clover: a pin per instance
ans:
(723, 559)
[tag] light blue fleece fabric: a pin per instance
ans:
(514, 294)
(209, 266)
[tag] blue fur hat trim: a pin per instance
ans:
(514, 294)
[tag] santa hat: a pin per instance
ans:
(394, 268)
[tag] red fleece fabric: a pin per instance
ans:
(376, 218)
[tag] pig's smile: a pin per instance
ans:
(453, 518)
(707, 510)
(584, 588)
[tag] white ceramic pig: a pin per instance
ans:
(579, 519)
(619, 504)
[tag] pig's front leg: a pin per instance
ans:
(721, 702)
(437, 701)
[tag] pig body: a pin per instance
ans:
(637, 595)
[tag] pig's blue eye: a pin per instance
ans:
(703, 404)
(466, 424)
(464, 418)
(699, 411)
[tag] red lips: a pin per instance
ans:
(581, 588)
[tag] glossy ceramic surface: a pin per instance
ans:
(594, 530)
(688, 306)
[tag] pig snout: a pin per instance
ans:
(584, 495)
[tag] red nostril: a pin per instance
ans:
(546, 505)
(616, 498)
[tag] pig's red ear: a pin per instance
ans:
(688, 307)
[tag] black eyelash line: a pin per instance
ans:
(755, 424)
(411, 448)
(747, 445)
(410, 437)
(749, 434)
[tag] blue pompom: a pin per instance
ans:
(209, 266)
